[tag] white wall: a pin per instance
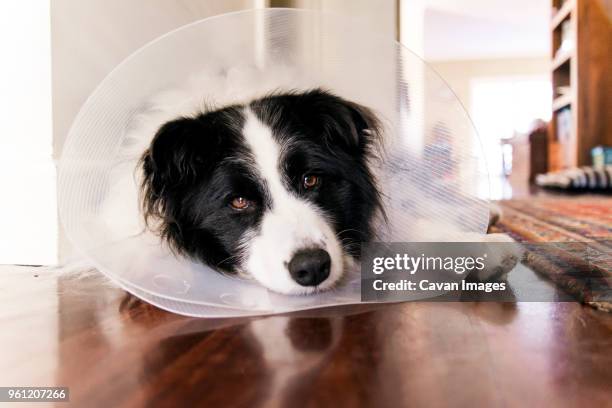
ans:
(90, 37)
(379, 15)
(28, 222)
(462, 30)
(459, 73)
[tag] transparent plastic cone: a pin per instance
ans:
(431, 166)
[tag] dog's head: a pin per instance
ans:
(279, 189)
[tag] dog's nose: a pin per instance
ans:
(309, 267)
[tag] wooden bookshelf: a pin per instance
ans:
(581, 59)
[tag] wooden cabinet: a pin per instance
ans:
(582, 85)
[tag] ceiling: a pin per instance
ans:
(480, 29)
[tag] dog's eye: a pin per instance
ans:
(311, 181)
(240, 203)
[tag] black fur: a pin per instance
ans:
(196, 166)
(335, 139)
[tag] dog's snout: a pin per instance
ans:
(310, 267)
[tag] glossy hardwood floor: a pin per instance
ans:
(112, 350)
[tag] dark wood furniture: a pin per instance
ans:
(115, 351)
(538, 152)
(529, 155)
(582, 84)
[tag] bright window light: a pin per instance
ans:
(503, 107)
(28, 205)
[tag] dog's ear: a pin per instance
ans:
(340, 121)
(170, 163)
(366, 126)
(178, 149)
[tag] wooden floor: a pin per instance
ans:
(112, 350)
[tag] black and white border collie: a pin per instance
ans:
(279, 189)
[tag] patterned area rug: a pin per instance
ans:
(581, 225)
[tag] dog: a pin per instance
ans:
(278, 188)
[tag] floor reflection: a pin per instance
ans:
(115, 350)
